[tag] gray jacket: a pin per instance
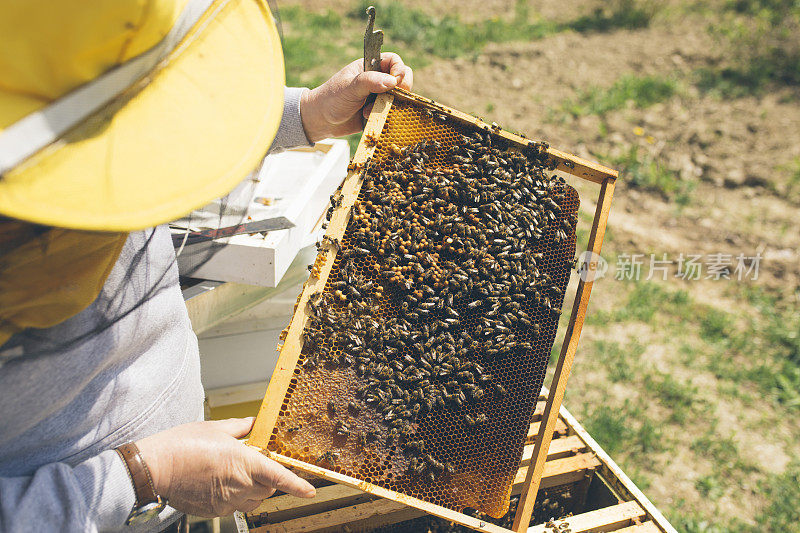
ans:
(70, 394)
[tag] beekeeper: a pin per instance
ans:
(117, 116)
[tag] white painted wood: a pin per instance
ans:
(300, 182)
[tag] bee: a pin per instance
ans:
(370, 140)
(329, 457)
(342, 429)
(331, 408)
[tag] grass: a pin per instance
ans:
(448, 36)
(709, 486)
(679, 397)
(774, 334)
(715, 326)
(641, 170)
(695, 523)
(644, 301)
(761, 40)
(618, 360)
(636, 91)
(638, 167)
(313, 45)
(624, 430)
(783, 493)
(664, 416)
(723, 452)
(616, 14)
(791, 188)
(764, 350)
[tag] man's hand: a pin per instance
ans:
(336, 107)
(201, 469)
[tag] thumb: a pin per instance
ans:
(235, 427)
(267, 472)
(371, 82)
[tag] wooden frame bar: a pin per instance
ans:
(339, 508)
(290, 351)
(565, 359)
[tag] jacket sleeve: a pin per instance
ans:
(92, 496)
(290, 132)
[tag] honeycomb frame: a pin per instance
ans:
(285, 377)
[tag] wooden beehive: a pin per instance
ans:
(600, 495)
(398, 118)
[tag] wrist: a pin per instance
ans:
(157, 467)
(149, 503)
(312, 118)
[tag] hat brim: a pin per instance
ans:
(189, 135)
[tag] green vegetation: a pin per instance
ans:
(774, 334)
(645, 300)
(791, 188)
(316, 43)
(314, 39)
(620, 361)
(723, 452)
(765, 351)
(696, 523)
(313, 46)
(645, 172)
(639, 91)
(679, 397)
(616, 14)
(783, 493)
(758, 351)
(627, 429)
(762, 40)
(715, 326)
(447, 36)
(638, 168)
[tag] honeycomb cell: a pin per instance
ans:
(325, 421)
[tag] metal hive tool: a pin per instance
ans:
(306, 407)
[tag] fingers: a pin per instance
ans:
(367, 83)
(393, 64)
(269, 473)
(235, 427)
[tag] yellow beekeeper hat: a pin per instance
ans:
(117, 115)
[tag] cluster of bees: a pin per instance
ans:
(431, 280)
(558, 505)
